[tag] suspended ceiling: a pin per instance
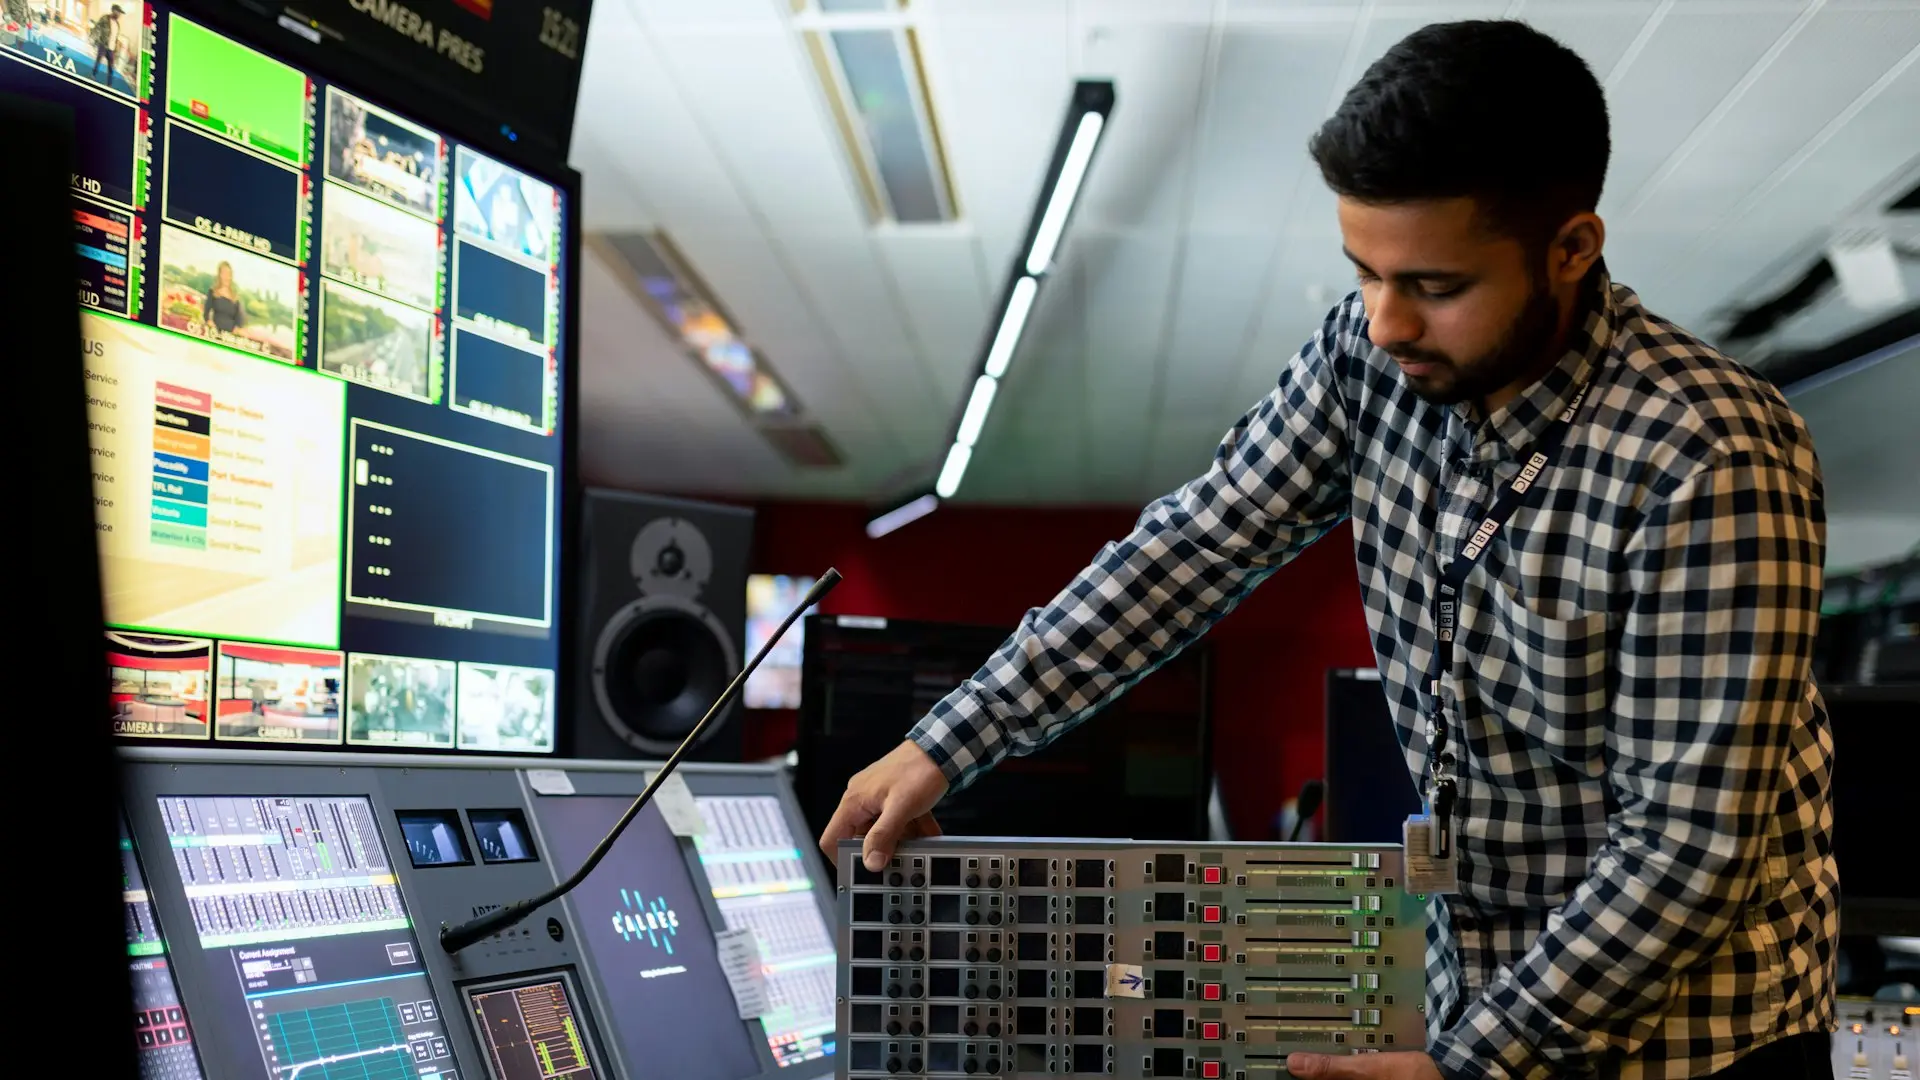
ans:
(1205, 249)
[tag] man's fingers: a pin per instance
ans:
(887, 832)
(924, 826)
(1322, 1067)
(847, 822)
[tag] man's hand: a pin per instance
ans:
(1363, 1067)
(888, 801)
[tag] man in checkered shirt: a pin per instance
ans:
(1647, 886)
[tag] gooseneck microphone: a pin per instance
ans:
(455, 938)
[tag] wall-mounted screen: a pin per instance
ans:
(776, 683)
(324, 352)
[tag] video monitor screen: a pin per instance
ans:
(323, 346)
(531, 1029)
(645, 935)
(305, 937)
(163, 1039)
(775, 684)
(760, 878)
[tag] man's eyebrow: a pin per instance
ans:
(1409, 275)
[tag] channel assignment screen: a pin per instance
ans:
(272, 269)
(305, 937)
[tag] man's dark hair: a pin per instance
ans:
(1490, 109)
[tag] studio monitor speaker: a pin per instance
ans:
(663, 602)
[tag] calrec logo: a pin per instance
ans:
(482, 8)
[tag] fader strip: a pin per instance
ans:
(1021, 958)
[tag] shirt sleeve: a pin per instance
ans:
(1714, 658)
(1278, 482)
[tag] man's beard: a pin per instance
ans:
(1521, 349)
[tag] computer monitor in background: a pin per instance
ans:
(776, 684)
(1369, 791)
(1140, 769)
(1874, 731)
(325, 350)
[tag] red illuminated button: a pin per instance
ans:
(1211, 875)
(1209, 991)
(1210, 1031)
(1210, 954)
(1210, 913)
(1210, 1070)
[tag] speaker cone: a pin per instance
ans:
(658, 666)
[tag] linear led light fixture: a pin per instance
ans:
(1086, 120)
(1088, 112)
(902, 514)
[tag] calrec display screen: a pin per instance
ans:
(323, 346)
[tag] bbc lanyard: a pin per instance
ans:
(1446, 615)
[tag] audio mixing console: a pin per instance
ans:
(1875, 1041)
(1049, 957)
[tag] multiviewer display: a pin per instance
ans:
(645, 930)
(323, 347)
(305, 937)
(162, 1035)
(759, 879)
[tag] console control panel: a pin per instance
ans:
(1022, 958)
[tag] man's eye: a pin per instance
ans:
(1443, 293)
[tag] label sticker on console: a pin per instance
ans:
(1126, 981)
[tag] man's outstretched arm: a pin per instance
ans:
(1278, 482)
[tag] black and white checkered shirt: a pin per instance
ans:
(1647, 880)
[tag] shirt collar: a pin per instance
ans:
(1520, 422)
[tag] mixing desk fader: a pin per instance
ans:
(1031, 958)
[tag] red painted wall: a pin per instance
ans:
(989, 565)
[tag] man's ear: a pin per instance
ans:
(1576, 248)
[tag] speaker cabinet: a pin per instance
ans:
(663, 603)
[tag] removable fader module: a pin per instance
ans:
(1034, 958)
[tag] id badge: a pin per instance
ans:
(1431, 859)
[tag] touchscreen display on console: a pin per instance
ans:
(645, 934)
(311, 951)
(531, 1029)
(160, 1029)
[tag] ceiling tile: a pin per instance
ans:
(763, 113)
(1137, 180)
(933, 270)
(1000, 85)
(1269, 95)
(1802, 90)
(1222, 279)
(1128, 278)
(1686, 68)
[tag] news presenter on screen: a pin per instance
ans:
(1641, 756)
